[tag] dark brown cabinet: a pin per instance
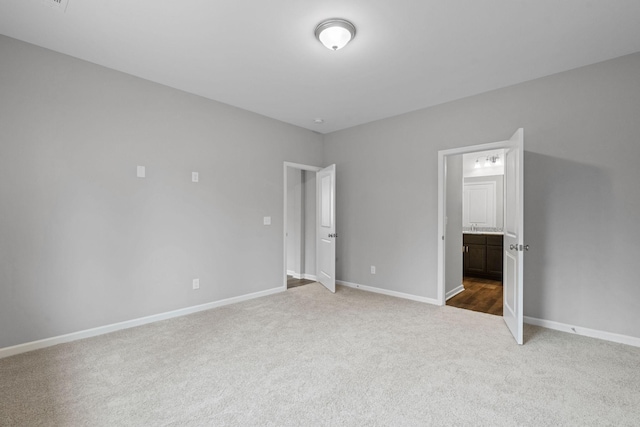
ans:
(483, 256)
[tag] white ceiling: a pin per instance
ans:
(262, 55)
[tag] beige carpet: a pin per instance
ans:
(307, 357)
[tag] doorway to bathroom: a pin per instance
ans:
(451, 243)
(482, 232)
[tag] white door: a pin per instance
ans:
(514, 235)
(326, 227)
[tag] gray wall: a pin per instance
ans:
(295, 220)
(499, 180)
(83, 242)
(581, 197)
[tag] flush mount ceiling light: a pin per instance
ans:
(335, 33)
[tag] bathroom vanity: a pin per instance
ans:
(482, 255)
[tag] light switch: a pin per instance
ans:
(141, 172)
(266, 220)
(194, 177)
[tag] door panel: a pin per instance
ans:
(510, 292)
(326, 227)
(514, 236)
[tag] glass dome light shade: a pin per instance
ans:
(335, 33)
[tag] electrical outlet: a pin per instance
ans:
(195, 177)
(196, 283)
(373, 269)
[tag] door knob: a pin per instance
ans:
(522, 247)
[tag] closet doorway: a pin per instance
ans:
(308, 255)
(300, 225)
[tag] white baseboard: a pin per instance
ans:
(452, 293)
(48, 342)
(388, 292)
(593, 333)
(302, 275)
(607, 336)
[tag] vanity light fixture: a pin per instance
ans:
(488, 162)
(335, 33)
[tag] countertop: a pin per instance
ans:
(498, 233)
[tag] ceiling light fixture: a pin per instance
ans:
(335, 33)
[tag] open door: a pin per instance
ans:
(514, 235)
(326, 227)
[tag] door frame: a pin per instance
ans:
(284, 214)
(442, 206)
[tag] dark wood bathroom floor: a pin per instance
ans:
(292, 283)
(483, 295)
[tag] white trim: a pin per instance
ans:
(442, 171)
(294, 274)
(452, 293)
(300, 276)
(301, 166)
(388, 292)
(284, 213)
(592, 333)
(87, 333)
